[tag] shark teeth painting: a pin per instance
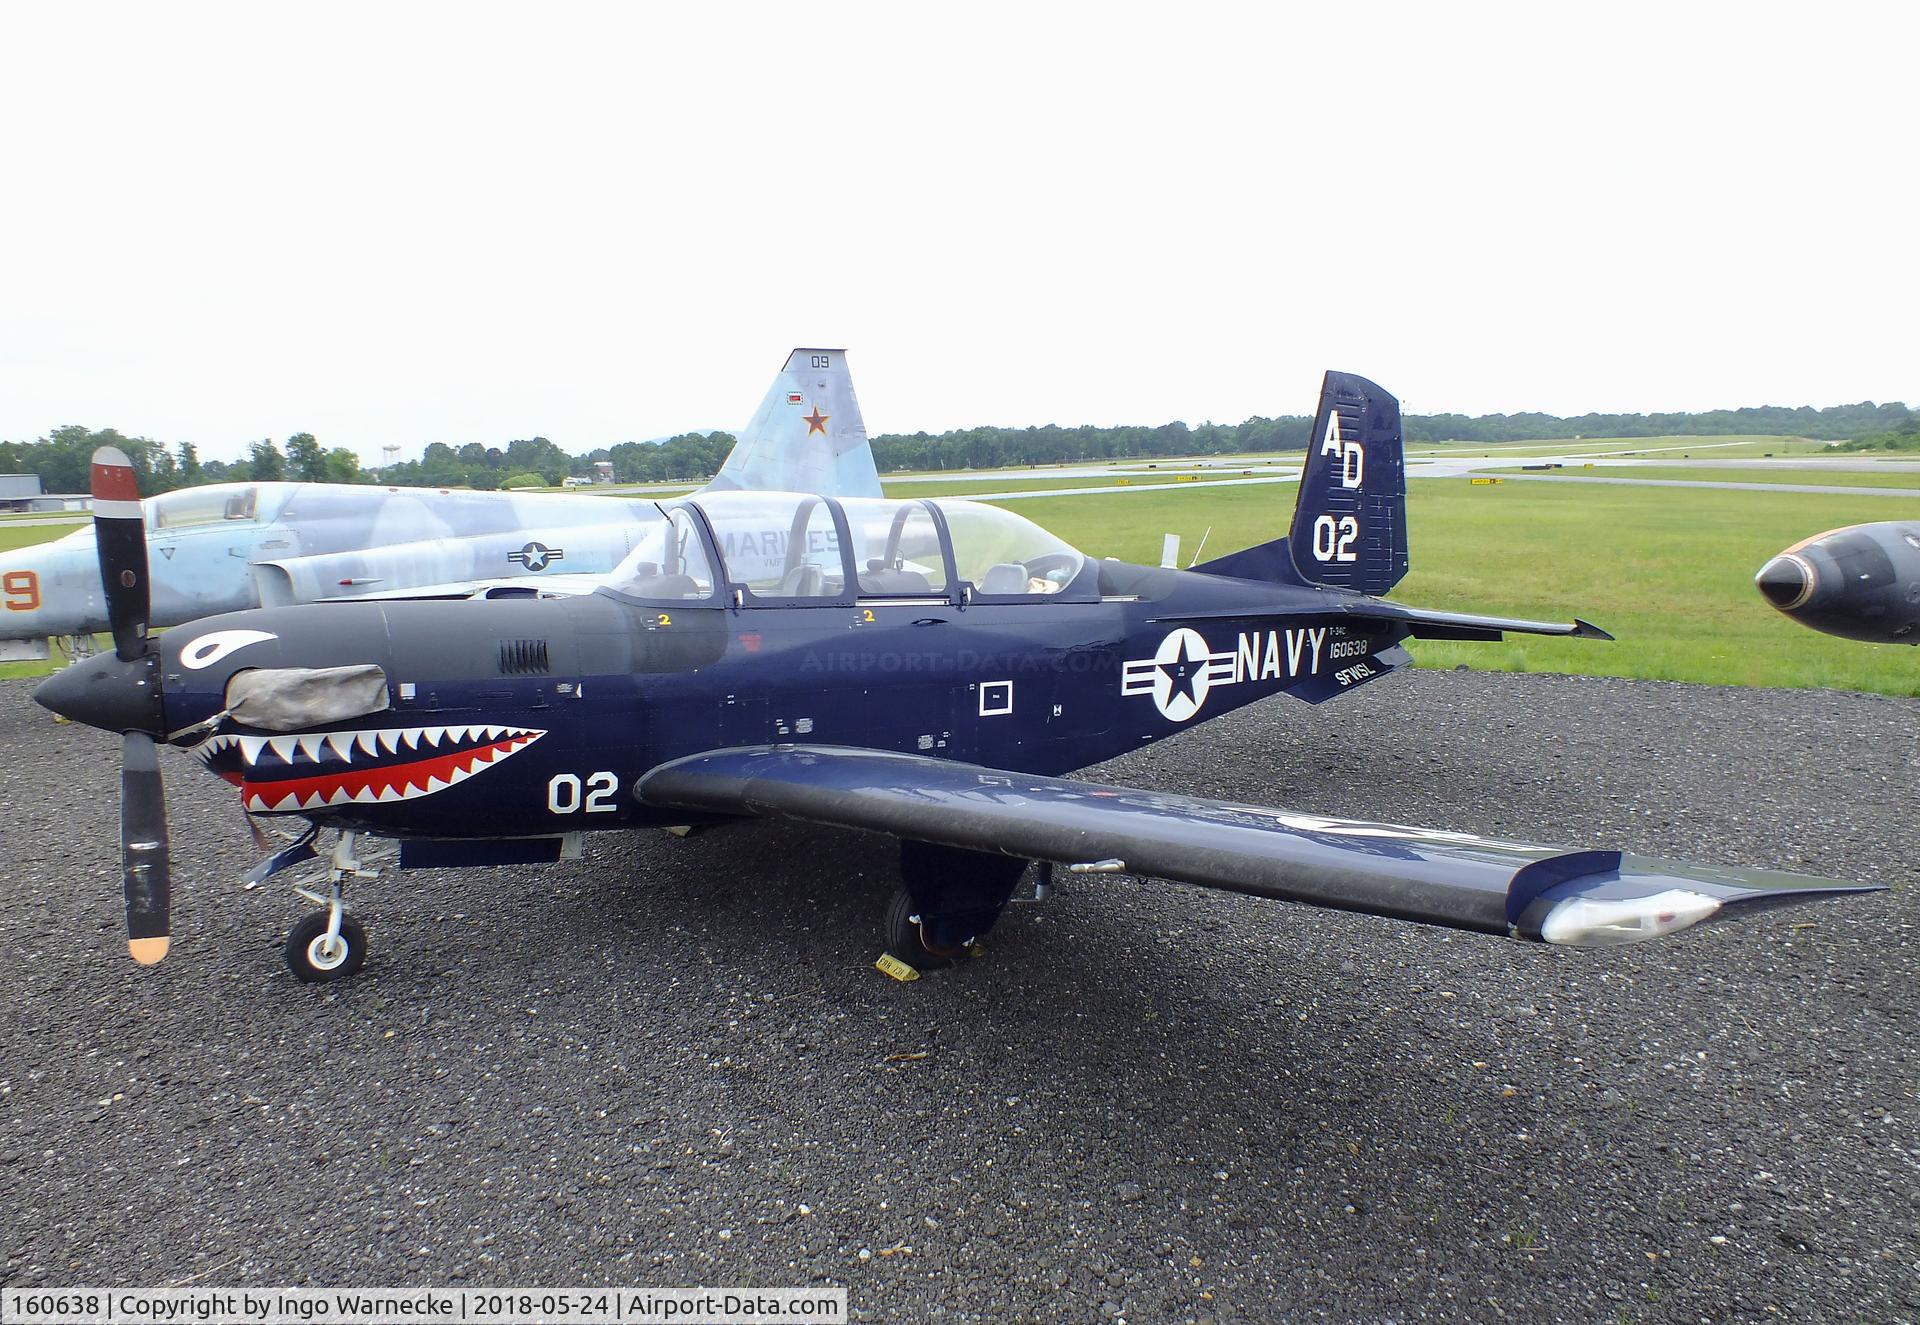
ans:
(314, 770)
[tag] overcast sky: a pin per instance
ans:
(416, 223)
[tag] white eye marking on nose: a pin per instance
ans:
(210, 649)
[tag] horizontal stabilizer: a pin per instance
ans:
(1576, 898)
(1421, 623)
(1464, 625)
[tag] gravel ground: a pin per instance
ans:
(672, 1063)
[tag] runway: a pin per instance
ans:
(1832, 489)
(1234, 474)
(671, 1063)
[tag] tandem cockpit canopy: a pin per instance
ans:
(800, 549)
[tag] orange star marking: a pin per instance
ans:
(816, 421)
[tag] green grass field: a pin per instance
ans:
(26, 535)
(1783, 472)
(70, 518)
(965, 487)
(1667, 570)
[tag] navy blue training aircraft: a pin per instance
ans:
(926, 669)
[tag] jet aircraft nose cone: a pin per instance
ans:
(1786, 582)
(105, 692)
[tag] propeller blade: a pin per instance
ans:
(120, 535)
(143, 848)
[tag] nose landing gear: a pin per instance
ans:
(330, 944)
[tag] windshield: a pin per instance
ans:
(1003, 553)
(668, 561)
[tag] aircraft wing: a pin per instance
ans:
(1580, 898)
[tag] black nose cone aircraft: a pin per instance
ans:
(930, 669)
(1861, 582)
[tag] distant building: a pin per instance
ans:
(21, 493)
(603, 471)
(16, 490)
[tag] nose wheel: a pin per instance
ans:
(316, 955)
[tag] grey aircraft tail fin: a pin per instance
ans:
(807, 435)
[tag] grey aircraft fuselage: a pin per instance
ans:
(227, 547)
(231, 546)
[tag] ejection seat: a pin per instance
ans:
(806, 581)
(1007, 577)
(884, 577)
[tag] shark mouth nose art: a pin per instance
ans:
(285, 774)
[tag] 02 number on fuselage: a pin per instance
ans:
(566, 794)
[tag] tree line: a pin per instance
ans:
(61, 458)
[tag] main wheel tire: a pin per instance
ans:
(903, 937)
(308, 954)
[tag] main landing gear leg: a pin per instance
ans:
(330, 944)
(951, 899)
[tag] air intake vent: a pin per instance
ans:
(518, 657)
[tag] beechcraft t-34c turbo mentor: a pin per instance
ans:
(925, 669)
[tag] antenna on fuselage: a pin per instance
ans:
(1198, 550)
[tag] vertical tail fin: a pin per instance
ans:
(1350, 520)
(807, 435)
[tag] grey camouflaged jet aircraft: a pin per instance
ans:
(229, 546)
(925, 669)
(1861, 582)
